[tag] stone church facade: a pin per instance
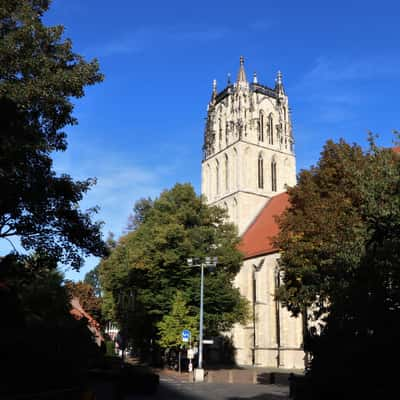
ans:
(248, 160)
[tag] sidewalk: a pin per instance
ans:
(245, 375)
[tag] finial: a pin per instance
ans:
(214, 91)
(229, 78)
(279, 84)
(279, 78)
(255, 80)
(241, 75)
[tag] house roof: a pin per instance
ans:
(78, 312)
(258, 238)
(396, 149)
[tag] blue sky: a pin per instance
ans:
(141, 130)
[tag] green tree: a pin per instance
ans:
(171, 326)
(92, 278)
(340, 258)
(149, 265)
(35, 305)
(40, 75)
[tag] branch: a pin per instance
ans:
(12, 244)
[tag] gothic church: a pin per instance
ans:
(247, 163)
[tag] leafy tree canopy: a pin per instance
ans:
(35, 307)
(92, 278)
(337, 209)
(150, 264)
(340, 242)
(40, 75)
(171, 326)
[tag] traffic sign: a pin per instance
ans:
(208, 341)
(185, 335)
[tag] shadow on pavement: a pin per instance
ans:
(205, 391)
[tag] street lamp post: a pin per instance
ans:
(209, 262)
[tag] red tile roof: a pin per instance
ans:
(396, 149)
(78, 313)
(257, 239)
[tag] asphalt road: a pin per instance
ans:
(171, 389)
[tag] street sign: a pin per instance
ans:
(185, 335)
(208, 341)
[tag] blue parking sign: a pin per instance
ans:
(185, 335)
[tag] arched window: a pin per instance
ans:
(235, 210)
(217, 177)
(220, 133)
(235, 170)
(226, 208)
(208, 181)
(226, 172)
(270, 129)
(260, 172)
(261, 127)
(273, 176)
(247, 175)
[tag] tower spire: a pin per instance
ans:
(241, 74)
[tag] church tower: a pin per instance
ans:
(248, 152)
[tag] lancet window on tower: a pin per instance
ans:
(219, 133)
(260, 170)
(273, 176)
(217, 177)
(270, 129)
(208, 181)
(226, 172)
(261, 127)
(284, 119)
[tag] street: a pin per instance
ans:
(173, 388)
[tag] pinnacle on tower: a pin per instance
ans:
(241, 75)
(279, 78)
(214, 90)
(255, 80)
(278, 82)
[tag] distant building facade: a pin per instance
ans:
(248, 160)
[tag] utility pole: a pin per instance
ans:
(208, 263)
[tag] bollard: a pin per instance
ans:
(272, 378)
(291, 385)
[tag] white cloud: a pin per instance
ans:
(120, 182)
(328, 70)
(145, 38)
(334, 89)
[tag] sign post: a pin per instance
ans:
(190, 356)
